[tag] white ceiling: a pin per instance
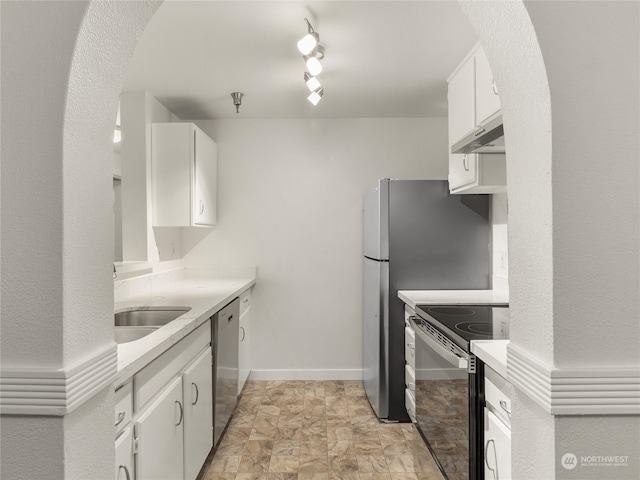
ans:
(383, 58)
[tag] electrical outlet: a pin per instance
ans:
(503, 259)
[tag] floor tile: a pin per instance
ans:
(314, 430)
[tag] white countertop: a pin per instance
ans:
(204, 296)
(453, 297)
(492, 353)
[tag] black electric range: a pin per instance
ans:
(463, 323)
(452, 377)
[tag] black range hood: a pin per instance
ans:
(487, 138)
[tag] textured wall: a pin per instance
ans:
(62, 67)
(569, 86)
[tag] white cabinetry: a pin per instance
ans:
(184, 176)
(497, 427)
(477, 172)
(244, 347)
(487, 98)
(159, 435)
(124, 455)
(124, 446)
(473, 99)
(198, 414)
(410, 364)
(172, 413)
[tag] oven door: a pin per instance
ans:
(442, 401)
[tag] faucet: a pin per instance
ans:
(114, 271)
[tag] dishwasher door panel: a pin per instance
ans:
(226, 325)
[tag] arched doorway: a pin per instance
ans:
(56, 125)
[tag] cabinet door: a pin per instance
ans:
(205, 179)
(159, 433)
(462, 102)
(487, 99)
(198, 414)
(244, 350)
(124, 455)
(497, 449)
(463, 170)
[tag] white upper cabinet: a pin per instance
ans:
(487, 99)
(184, 176)
(472, 95)
(461, 95)
(473, 99)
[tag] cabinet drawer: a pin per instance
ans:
(410, 404)
(497, 395)
(158, 373)
(124, 406)
(410, 379)
(410, 347)
(245, 301)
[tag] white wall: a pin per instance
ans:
(499, 242)
(142, 242)
(290, 202)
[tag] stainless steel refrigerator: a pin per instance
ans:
(416, 237)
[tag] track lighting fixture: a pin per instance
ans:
(312, 82)
(315, 96)
(312, 52)
(313, 65)
(309, 41)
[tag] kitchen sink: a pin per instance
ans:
(129, 334)
(148, 316)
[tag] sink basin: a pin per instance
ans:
(129, 334)
(148, 316)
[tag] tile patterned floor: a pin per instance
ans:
(313, 430)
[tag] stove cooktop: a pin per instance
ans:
(463, 323)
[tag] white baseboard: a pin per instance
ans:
(311, 374)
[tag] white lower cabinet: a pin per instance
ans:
(172, 421)
(198, 414)
(497, 448)
(124, 455)
(497, 427)
(159, 436)
(244, 348)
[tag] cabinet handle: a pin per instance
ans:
(197, 393)
(243, 334)
(494, 87)
(465, 164)
(503, 405)
(121, 416)
(246, 300)
(495, 459)
(126, 472)
(181, 412)
(201, 207)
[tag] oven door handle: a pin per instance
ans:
(455, 359)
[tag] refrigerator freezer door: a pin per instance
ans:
(376, 334)
(376, 221)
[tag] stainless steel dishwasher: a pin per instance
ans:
(224, 338)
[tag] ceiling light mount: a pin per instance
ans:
(237, 100)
